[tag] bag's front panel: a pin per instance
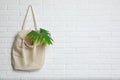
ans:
(39, 57)
(25, 56)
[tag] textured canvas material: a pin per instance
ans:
(27, 56)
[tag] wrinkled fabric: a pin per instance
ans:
(25, 56)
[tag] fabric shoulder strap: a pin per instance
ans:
(33, 16)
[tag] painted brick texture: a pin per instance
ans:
(86, 35)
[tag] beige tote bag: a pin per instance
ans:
(24, 55)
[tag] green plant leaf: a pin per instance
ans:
(42, 37)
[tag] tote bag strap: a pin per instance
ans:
(33, 16)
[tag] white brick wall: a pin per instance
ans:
(86, 35)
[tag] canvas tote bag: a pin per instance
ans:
(24, 55)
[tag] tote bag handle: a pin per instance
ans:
(33, 16)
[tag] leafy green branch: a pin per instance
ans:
(43, 37)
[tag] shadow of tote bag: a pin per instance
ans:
(25, 56)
